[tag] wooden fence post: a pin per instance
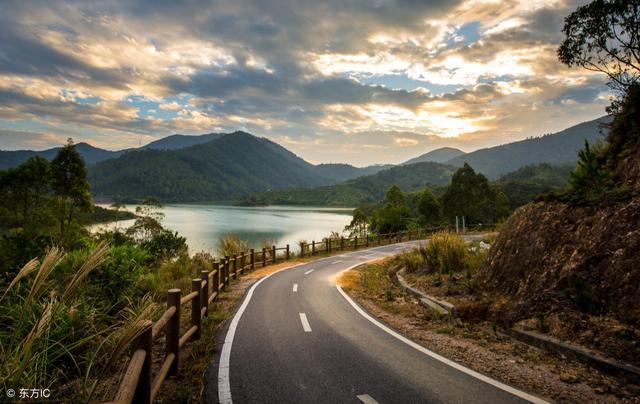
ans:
(341, 243)
(243, 261)
(227, 272)
(216, 280)
(313, 247)
(172, 340)
(273, 254)
(302, 249)
(196, 286)
(367, 240)
(144, 341)
(264, 257)
(356, 243)
(204, 276)
(329, 245)
(252, 259)
(235, 266)
(287, 256)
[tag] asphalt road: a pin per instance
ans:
(297, 338)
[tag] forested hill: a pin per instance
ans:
(370, 188)
(90, 155)
(229, 167)
(557, 148)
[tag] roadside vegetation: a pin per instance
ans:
(71, 301)
(469, 195)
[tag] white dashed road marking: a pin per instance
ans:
(336, 262)
(308, 272)
(367, 399)
(295, 287)
(305, 323)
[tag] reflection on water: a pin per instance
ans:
(203, 225)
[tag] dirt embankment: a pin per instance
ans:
(553, 256)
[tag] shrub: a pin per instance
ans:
(232, 244)
(444, 253)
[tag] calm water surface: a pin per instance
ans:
(203, 225)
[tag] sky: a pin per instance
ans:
(356, 81)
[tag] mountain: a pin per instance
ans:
(90, 154)
(440, 155)
(525, 184)
(343, 172)
(176, 142)
(366, 189)
(556, 148)
(227, 168)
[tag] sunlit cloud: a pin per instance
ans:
(316, 77)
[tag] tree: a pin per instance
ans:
(395, 197)
(70, 186)
(471, 196)
(395, 215)
(429, 208)
(604, 36)
(589, 180)
(359, 225)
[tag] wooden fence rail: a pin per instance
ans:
(137, 384)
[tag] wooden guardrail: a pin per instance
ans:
(139, 386)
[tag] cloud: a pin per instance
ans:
(315, 75)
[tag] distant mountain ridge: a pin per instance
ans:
(557, 148)
(176, 142)
(90, 154)
(226, 168)
(441, 155)
(364, 189)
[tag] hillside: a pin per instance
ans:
(370, 188)
(90, 154)
(525, 184)
(557, 148)
(440, 155)
(344, 172)
(230, 167)
(571, 265)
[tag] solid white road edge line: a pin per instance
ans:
(457, 366)
(367, 399)
(295, 287)
(305, 323)
(308, 272)
(224, 384)
(336, 262)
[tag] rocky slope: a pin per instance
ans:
(574, 270)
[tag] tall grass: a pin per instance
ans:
(51, 332)
(232, 244)
(444, 253)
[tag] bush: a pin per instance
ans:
(444, 253)
(232, 244)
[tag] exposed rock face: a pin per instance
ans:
(554, 257)
(551, 255)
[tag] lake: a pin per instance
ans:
(204, 224)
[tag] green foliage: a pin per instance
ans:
(429, 209)
(394, 216)
(603, 36)
(589, 181)
(70, 187)
(528, 183)
(363, 190)
(471, 196)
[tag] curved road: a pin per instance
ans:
(297, 338)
